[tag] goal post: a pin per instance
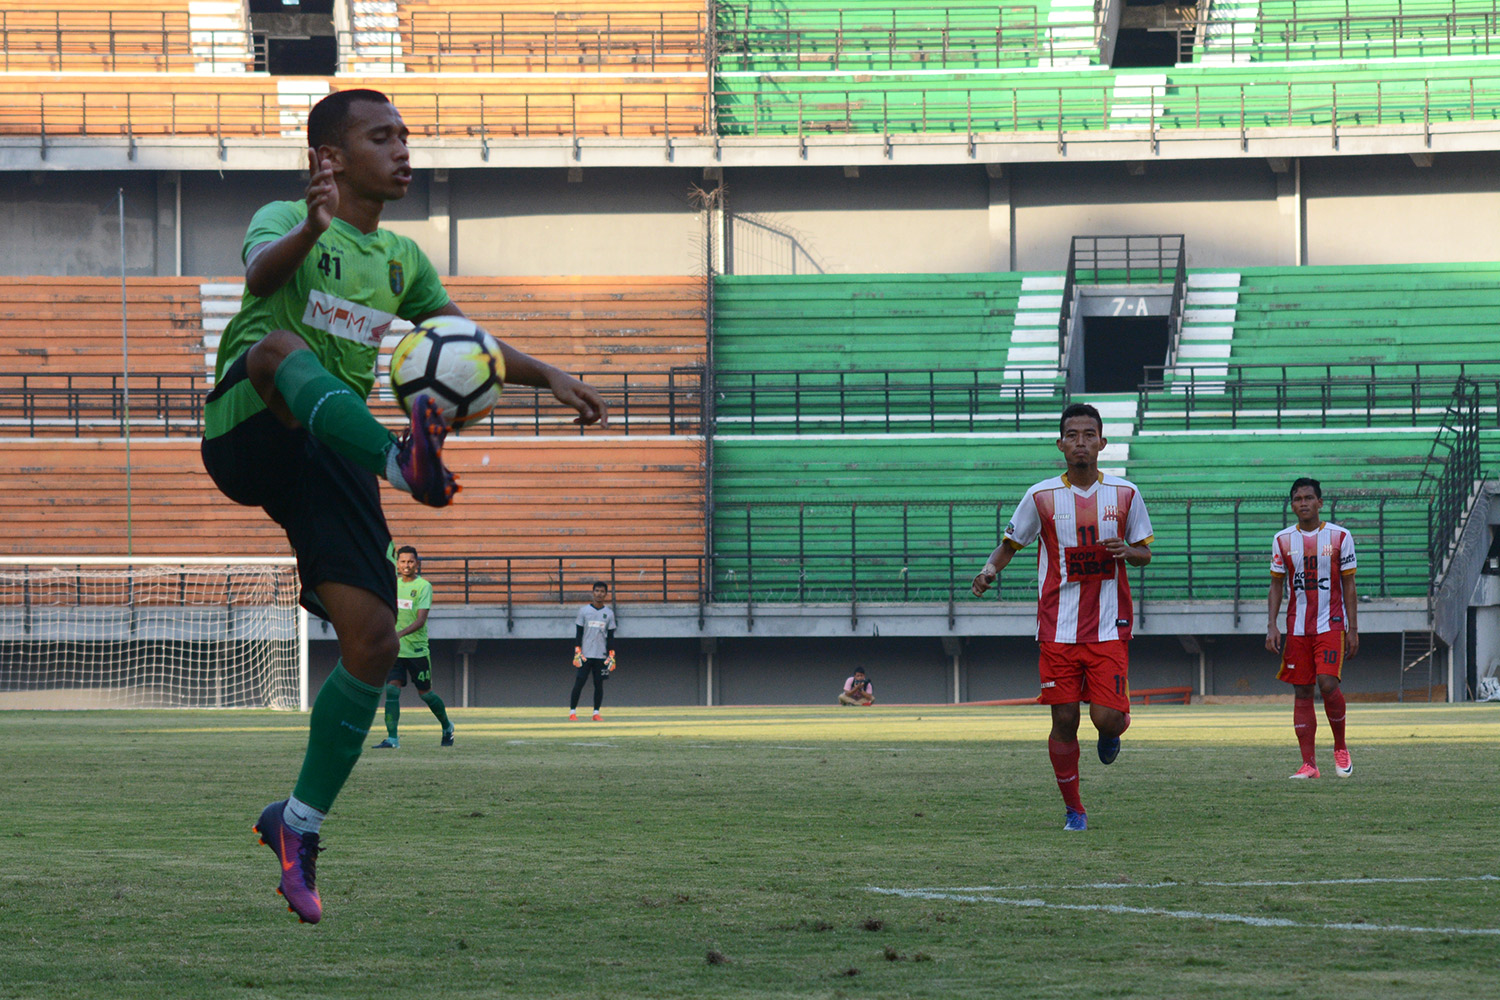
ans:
(152, 632)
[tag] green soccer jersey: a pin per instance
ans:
(341, 301)
(411, 598)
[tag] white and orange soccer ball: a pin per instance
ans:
(453, 361)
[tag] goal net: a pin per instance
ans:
(151, 633)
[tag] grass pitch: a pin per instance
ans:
(748, 852)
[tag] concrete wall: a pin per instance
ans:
(892, 219)
(69, 224)
(1388, 210)
(895, 219)
(537, 222)
(783, 671)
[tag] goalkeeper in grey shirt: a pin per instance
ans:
(594, 648)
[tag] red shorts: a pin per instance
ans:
(1097, 672)
(1303, 657)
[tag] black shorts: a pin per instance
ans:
(420, 669)
(328, 506)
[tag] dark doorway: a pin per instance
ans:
(1117, 349)
(1135, 47)
(294, 39)
(1155, 33)
(314, 56)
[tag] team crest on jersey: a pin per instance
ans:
(398, 277)
(1111, 513)
(1326, 550)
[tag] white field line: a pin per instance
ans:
(1233, 918)
(1232, 885)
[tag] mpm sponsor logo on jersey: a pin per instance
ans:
(346, 320)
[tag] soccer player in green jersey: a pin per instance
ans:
(286, 428)
(413, 601)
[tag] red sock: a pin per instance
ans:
(1065, 766)
(1333, 706)
(1305, 725)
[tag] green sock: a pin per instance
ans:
(332, 412)
(438, 709)
(340, 723)
(392, 709)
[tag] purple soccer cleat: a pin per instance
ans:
(298, 854)
(421, 455)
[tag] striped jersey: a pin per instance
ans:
(1314, 564)
(1082, 591)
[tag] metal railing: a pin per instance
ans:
(1364, 36)
(1206, 548)
(514, 580)
(1232, 106)
(1374, 395)
(486, 115)
(171, 46)
(887, 401)
(1123, 260)
(1207, 110)
(1451, 471)
(893, 37)
(606, 49)
(140, 50)
(666, 403)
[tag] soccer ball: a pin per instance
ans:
(454, 362)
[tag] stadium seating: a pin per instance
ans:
(188, 104)
(489, 36)
(84, 36)
(69, 325)
(924, 511)
(856, 353)
(639, 340)
(1184, 97)
(885, 35)
(575, 501)
(1412, 313)
(1335, 29)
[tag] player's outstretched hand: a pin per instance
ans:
(983, 580)
(322, 192)
(577, 657)
(1273, 639)
(580, 396)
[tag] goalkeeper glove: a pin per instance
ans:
(609, 662)
(577, 656)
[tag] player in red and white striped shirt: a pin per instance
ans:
(1313, 563)
(1087, 524)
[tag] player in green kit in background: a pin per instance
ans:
(413, 601)
(287, 429)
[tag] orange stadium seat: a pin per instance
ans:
(71, 325)
(640, 324)
(539, 504)
(207, 104)
(88, 36)
(480, 36)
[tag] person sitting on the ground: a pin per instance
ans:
(858, 690)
